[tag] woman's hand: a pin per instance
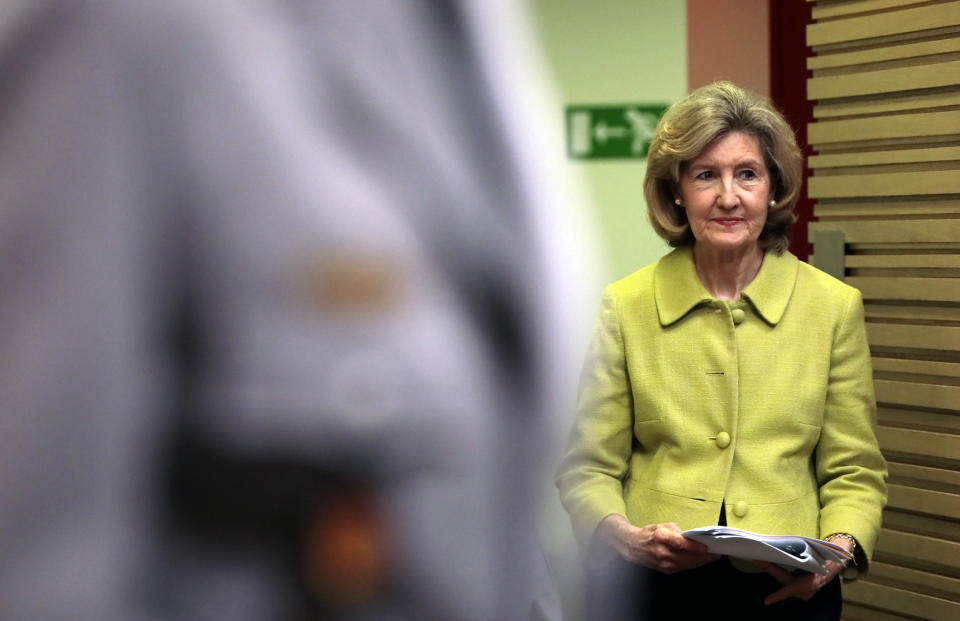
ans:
(803, 585)
(657, 546)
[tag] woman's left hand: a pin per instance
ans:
(803, 585)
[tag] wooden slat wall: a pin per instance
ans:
(886, 82)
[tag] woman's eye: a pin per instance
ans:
(748, 174)
(705, 175)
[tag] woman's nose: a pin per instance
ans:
(727, 196)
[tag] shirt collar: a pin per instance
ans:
(677, 288)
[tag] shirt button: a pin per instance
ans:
(723, 439)
(737, 315)
(740, 508)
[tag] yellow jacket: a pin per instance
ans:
(766, 403)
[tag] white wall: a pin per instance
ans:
(608, 51)
(616, 51)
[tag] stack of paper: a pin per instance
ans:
(792, 551)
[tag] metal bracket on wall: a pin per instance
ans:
(828, 252)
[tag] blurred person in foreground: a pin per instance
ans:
(728, 383)
(281, 311)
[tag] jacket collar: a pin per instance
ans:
(677, 288)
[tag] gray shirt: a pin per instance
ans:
(326, 195)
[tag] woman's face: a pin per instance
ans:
(725, 191)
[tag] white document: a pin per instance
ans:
(791, 551)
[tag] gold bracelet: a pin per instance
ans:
(847, 537)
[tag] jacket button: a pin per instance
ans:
(740, 508)
(737, 315)
(723, 439)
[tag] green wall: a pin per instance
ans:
(616, 51)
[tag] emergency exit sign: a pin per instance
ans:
(611, 131)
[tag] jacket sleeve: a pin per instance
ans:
(851, 471)
(590, 476)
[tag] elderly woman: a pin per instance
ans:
(727, 383)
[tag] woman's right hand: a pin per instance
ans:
(657, 546)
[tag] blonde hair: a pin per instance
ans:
(695, 121)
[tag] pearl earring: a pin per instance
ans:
(773, 203)
(676, 202)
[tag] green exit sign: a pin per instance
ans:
(611, 131)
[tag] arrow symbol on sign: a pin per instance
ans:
(602, 132)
